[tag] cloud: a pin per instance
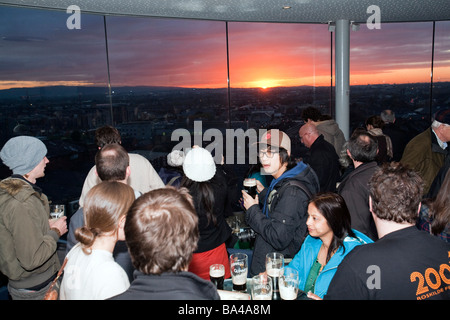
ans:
(35, 45)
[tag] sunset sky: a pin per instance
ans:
(37, 49)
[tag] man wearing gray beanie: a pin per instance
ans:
(28, 237)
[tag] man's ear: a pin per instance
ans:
(122, 221)
(349, 154)
(128, 171)
(374, 216)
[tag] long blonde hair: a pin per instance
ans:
(104, 206)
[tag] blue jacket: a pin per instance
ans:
(305, 258)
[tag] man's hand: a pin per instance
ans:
(60, 224)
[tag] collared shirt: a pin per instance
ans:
(441, 143)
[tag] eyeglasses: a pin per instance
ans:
(269, 154)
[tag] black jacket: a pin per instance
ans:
(355, 191)
(169, 286)
(213, 235)
(325, 163)
(285, 227)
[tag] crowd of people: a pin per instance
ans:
(363, 218)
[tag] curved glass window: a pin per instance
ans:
(390, 69)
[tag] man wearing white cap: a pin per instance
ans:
(28, 238)
(281, 223)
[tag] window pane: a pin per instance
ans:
(271, 55)
(441, 68)
(53, 83)
(181, 63)
(277, 70)
(390, 69)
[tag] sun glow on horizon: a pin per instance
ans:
(264, 83)
(34, 84)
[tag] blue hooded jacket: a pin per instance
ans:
(305, 258)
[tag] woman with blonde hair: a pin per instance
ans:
(91, 272)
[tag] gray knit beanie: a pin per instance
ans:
(22, 154)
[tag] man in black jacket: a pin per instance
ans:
(322, 157)
(362, 149)
(280, 222)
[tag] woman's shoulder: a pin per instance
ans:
(106, 266)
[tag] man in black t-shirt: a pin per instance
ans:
(405, 263)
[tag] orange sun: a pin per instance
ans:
(265, 83)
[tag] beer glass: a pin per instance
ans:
(239, 270)
(56, 211)
(288, 283)
(274, 264)
(217, 275)
(261, 287)
(250, 186)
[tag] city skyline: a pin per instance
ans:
(193, 53)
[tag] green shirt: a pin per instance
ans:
(312, 276)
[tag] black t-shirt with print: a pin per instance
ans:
(407, 264)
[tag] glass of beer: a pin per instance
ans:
(261, 287)
(239, 270)
(56, 211)
(217, 275)
(250, 186)
(288, 283)
(274, 264)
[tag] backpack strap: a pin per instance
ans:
(296, 183)
(172, 180)
(291, 248)
(299, 185)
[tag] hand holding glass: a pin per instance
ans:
(250, 186)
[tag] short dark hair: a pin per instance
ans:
(107, 135)
(111, 162)
(375, 121)
(396, 192)
(311, 113)
(161, 231)
(286, 158)
(363, 146)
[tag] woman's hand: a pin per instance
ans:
(313, 296)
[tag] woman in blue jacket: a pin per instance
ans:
(330, 239)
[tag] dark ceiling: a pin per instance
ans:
(304, 11)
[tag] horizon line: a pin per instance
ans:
(210, 88)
